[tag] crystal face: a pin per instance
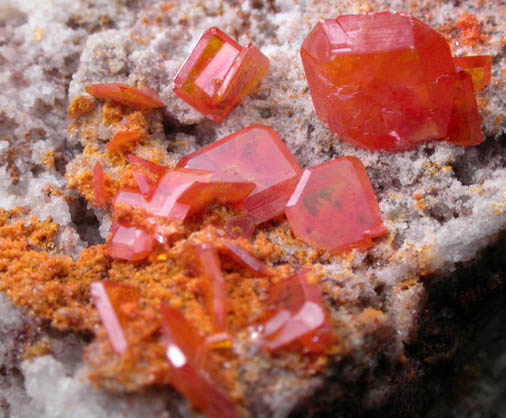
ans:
(465, 124)
(218, 74)
(334, 207)
(129, 243)
(380, 80)
(99, 186)
(479, 67)
(215, 293)
(184, 353)
(116, 304)
(142, 99)
(257, 155)
(298, 316)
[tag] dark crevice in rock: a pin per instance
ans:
(85, 221)
(454, 368)
(203, 132)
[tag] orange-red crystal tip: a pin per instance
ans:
(334, 207)
(479, 67)
(298, 318)
(143, 99)
(219, 74)
(184, 352)
(382, 81)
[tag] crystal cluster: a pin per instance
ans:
(218, 74)
(387, 81)
(331, 206)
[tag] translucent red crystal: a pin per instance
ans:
(465, 123)
(380, 80)
(116, 304)
(143, 99)
(243, 257)
(297, 316)
(99, 186)
(215, 293)
(257, 155)
(479, 67)
(198, 194)
(124, 139)
(184, 347)
(218, 74)
(334, 207)
(129, 243)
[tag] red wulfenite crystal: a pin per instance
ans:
(99, 186)
(257, 155)
(298, 316)
(244, 258)
(479, 67)
(334, 207)
(124, 139)
(465, 123)
(380, 80)
(114, 303)
(218, 74)
(184, 352)
(144, 99)
(215, 293)
(129, 243)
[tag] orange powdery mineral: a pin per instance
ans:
(383, 81)
(142, 99)
(334, 207)
(219, 74)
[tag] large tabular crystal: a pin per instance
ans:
(257, 155)
(334, 207)
(218, 74)
(380, 80)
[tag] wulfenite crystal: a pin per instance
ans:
(381, 80)
(334, 207)
(257, 155)
(218, 74)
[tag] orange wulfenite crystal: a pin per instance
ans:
(218, 74)
(124, 140)
(349, 62)
(129, 243)
(115, 303)
(144, 99)
(184, 351)
(298, 316)
(214, 291)
(257, 155)
(99, 186)
(465, 123)
(479, 67)
(334, 207)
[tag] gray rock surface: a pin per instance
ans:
(49, 50)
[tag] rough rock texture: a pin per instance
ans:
(442, 204)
